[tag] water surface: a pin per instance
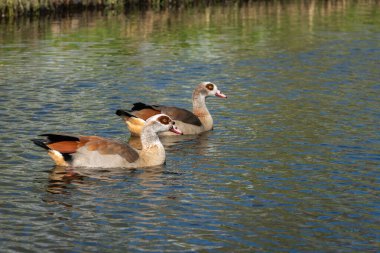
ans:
(291, 166)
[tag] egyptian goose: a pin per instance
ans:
(194, 122)
(94, 151)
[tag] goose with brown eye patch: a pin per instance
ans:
(190, 122)
(94, 151)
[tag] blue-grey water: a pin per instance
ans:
(292, 164)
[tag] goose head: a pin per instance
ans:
(209, 89)
(162, 123)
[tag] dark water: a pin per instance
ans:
(291, 166)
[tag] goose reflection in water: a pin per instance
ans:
(61, 178)
(170, 141)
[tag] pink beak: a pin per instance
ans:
(220, 94)
(175, 130)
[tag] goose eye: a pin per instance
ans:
(164, 120)
(210, 86)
